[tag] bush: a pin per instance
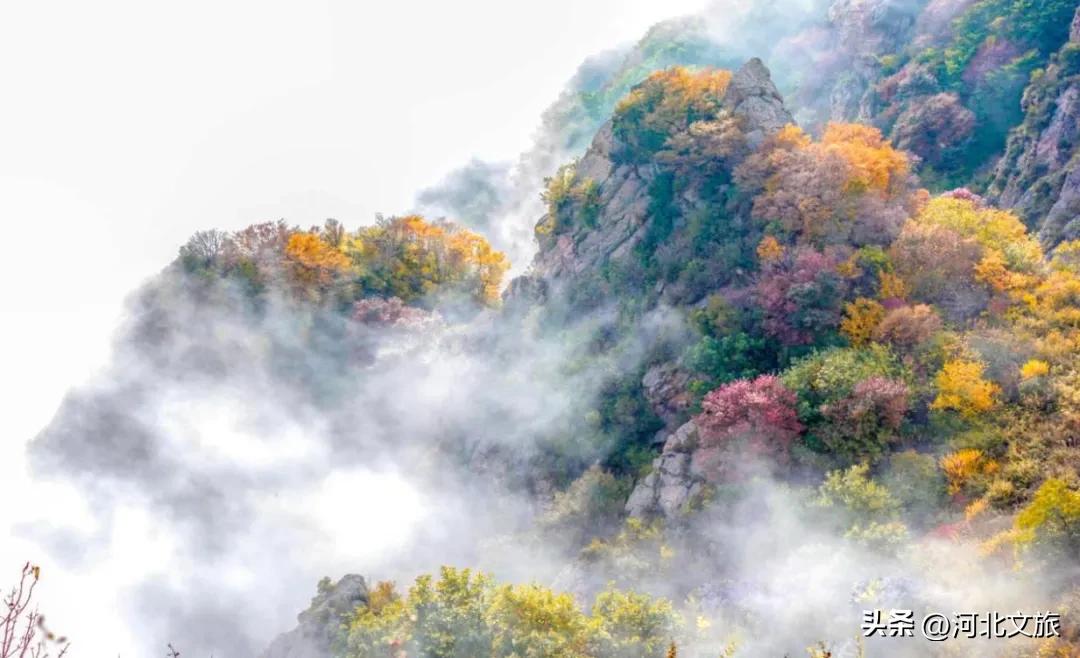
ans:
(754, 418)
(1052, 519)
(859, 497)
(866, 423)
(916, 481)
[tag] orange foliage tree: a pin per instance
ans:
(674, 103)
(850, 187)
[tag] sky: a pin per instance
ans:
(128, 125)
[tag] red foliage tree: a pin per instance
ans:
(753, 415)
(801, 297)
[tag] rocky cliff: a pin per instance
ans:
(1039, 176)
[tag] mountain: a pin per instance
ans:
(808, 333)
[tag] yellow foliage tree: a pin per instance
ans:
(411, 258)
(961, 388)
(891, 286)
(861, 317)
(666, 99)
(769, 250)
(1011, 258)
(961, 466)
(1034, 368)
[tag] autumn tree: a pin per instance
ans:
(668, 104)
(1051, 519)
(957, 253)
(313, 265)
(413, 259)
(850, 187)
(861, 318)
(630, 625)
(748, 417)
(864, 424)
(857, 495)
(961, 388)
(907, 327)
(801, 296)
(464, 614)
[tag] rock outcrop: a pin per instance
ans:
(665, 388)
(753, 97)
(623, 188)
(1039, 176)
(320, 624)
(676, 481)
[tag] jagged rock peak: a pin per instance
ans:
(753, 96)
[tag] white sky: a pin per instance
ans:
(126, 125)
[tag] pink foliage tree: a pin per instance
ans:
(756, 416)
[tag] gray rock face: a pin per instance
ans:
(664, 386)
(675, 481)
(1039, 175)
(872, 27)
(753, 97)
(624, 199)
(320, 623)
(860, 32)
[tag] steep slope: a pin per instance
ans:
(1039, 175)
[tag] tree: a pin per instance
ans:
(855, 493)
(665, 104)
(22, 628)
(864, 424)
(851, 187)
(1051, 519)
(591, 506)
(831, 375)
(963, 469)
(204, 249)
(769, 250)
(956, 252)
(313, 264)
(414, 260)
(631, 625)
(465, 614)
(907, 327)
(529, 621)
(861, 318)
(801, 297)
(938, 266)
(755, 417)
(961, 388)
